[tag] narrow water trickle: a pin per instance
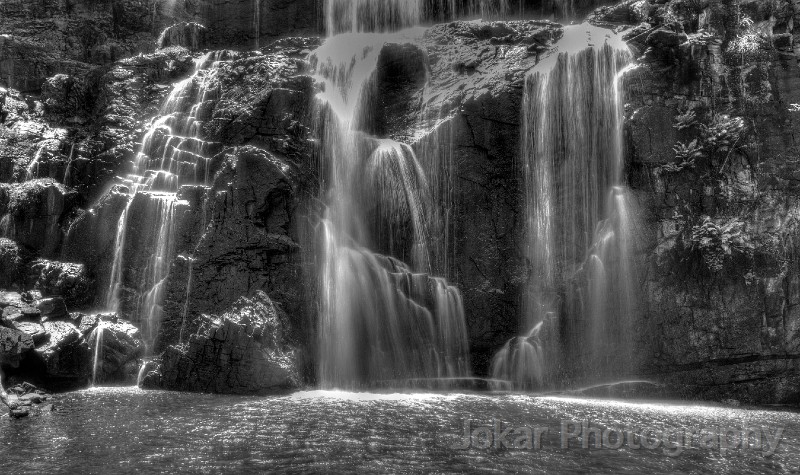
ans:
(257, 23)
(579, 222)
(97, 352)
(172, 154)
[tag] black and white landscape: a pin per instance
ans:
(447, 236)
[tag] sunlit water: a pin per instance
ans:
(100, 430)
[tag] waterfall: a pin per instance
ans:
(257, 23)
(172, 154)
(97, 353)
(360, 16)
(382, 320)
(190, 35)
(579, 220)
(356, 16)
(70, 159)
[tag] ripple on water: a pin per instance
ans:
(126, 429)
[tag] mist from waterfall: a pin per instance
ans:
(383, 321)
(172, 154)
(580, 222)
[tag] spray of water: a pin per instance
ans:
(579, 222)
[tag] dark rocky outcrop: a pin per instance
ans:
(69, 281)
(472, 104)
(247, 350)
(117, 349)
(710, 141)
(711, 156)
(26, 399)
(43, 343)
(14, 344)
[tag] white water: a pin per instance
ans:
(579, 221)
(383, 16)
(172, 154)
(382, 321)
(97, 352)
(257, 23)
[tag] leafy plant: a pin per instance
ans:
(748, 40)
(685, 156)
(685, 119)
(723, 132)
(717, 240)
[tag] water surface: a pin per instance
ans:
(129, 430)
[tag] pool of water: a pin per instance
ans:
(128, 430)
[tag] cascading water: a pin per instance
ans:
(360, 16)
(97, 352)
(579, 222)
(357, 16)
(382, 321)
(257, 23)
(172, 154)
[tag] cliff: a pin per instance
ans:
(710, 118)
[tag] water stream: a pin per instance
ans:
(579, 220)
(173, 153)
(382, 319)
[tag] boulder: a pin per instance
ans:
(53, 308)
(34, 329)
(26, 399)
(11, 262)
(67, 280)
(14, 344)
(32, 212)
(247, 350)
(116, 344)
(66, 355)
(16, 307)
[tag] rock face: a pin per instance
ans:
(711, 118)
(65, 354)
(247, 350)
(41, 341)
(710, 141)
(463, 119)
(26, 399)
(116, 347)
(63, 279)
(14, 344)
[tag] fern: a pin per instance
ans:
(685, 119)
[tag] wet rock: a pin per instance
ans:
(241, 236)
(16, 307)
(53, 308)
(12, 258)
(14, 345)
(247, 350)
(34, 329)
(19, 413)
(64, 95)
(26, 400)
(193, 36)
(33, 211)
(70, 281)
(66, 356)
(9, 298)
(120, 347)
